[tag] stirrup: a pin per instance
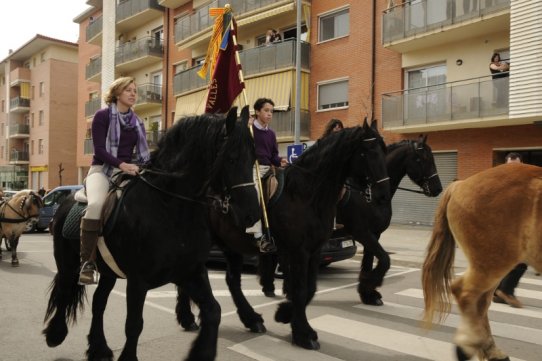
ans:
(88, 274)
(266, 245)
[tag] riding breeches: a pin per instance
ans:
(257, 227)
(97, 187)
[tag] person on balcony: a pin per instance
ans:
(499, 69)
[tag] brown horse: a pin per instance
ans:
(15, 213)
(495, 217)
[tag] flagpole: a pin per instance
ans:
(259, 181)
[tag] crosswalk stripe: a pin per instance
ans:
(264, 348)
(506, 330)
(401, 342)
(525, 311)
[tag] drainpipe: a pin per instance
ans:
(373, 62)
(165, 86)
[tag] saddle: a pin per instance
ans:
(273, 185)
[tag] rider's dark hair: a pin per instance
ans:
(259, 103)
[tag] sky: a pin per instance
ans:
(52, 18)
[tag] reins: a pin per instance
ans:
(14, 220)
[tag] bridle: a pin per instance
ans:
(20, 213)
(424, 181)
(221, 202)
(368, 191)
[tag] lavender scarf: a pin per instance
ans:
(128, 121)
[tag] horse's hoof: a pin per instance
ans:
(15, 263)
(309, 345)
(372, 301)
(191, 327)
(461, 356)
(284, 313)
(258, 327)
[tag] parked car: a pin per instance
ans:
(8, 194)
(339, 247)
(51, 201)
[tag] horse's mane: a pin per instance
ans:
(193, 147)
(324, 161)
(394, 146)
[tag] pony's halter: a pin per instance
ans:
(20, 212)
(424, 181)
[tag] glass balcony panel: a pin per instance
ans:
(94, 28)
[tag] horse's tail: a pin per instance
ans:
(437, 268)
(66, 296)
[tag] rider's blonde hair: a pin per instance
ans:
(116, 88)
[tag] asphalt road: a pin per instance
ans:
(347, 329)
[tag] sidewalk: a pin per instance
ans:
(407, 244)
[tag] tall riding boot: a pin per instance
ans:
(90, 230)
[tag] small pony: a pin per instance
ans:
(15, 213)
(495, 216)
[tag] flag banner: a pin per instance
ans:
(225, 84)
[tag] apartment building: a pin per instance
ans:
(447, 90)
(38, 108)
(418, 67)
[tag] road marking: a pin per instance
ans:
(506, 330)
(525, 311)
(386, 338)
(264, 348)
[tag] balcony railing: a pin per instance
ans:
(92, 106)
(18, 156)
(94, 28)
(149, 93)
(18, 102)
(254, 61)
(200, 20)
(88, 146)
(139, 48)
(19, 129)
(129, 8)
(411, 18)
(466, 99)
(153, 137)
(93, 68)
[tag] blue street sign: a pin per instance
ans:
(294, 151)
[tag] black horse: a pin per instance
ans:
(161, 233)
(367, 221)
(301, 221)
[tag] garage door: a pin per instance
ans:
(415, 208)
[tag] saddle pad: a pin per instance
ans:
(72, 225)
(275, 185)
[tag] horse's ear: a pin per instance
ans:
(231, 119)
(365, 124)
(425, 138)
(245, 115)
(374, 125)
(422, 138)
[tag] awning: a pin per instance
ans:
(276, 86)
(265, 14)
(190, 104)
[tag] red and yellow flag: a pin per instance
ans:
(225, 84)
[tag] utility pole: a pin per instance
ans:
(297, 115)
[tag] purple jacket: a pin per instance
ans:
(267, 150)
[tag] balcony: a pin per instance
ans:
(19, 75)
(19, 131)
(415, 25)
(94, 31)
(93, 70)
(255, 61)
(284, 123)
(18, 157)
(92, 106)
(195, 28)
(149, 96)
(477, 102)
(172, 4)
(139, 53)
(132, 14)
(88, 146)
(19, 105)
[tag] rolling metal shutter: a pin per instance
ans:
(415, 208)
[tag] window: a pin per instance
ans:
(41, 118)
(2, 126)
(428, 76)
(3, 106)
(177, 68)
(42, 89)
(32, 120)
(40, 146)
(33, 92)
(333, 95)
(32, 147)
(2, 152)
(334, 25)
(427, 96)
(42, 57)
